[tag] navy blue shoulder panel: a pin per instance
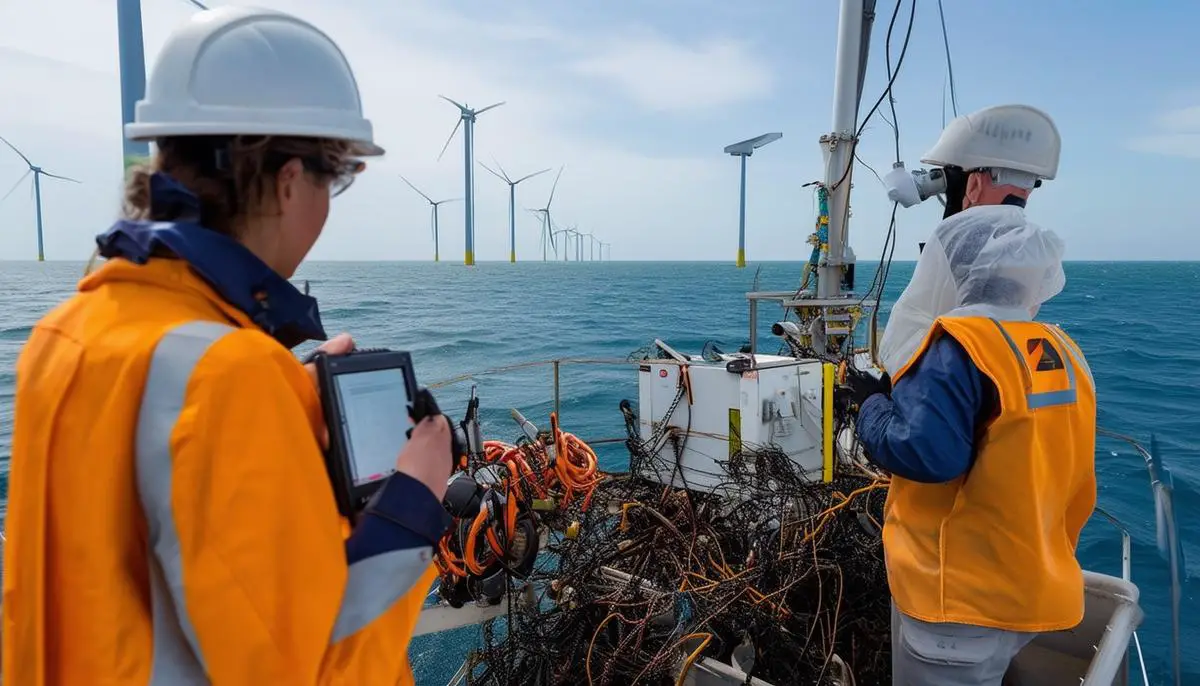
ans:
(238, 275)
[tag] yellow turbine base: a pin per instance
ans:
(741, 260)
(469, 260)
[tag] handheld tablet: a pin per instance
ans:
(367, 397)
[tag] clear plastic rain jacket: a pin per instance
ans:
(984, 261)
(170, 521)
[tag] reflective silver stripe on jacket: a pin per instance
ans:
(373, 585)
(176, 657)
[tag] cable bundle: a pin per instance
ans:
(500, 504)
(787, 573)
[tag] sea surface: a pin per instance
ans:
(1137, 323)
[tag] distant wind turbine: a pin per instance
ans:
(466, 114)
(433, 212)
(743, 150)
(548, 232)
(38, 173)
(592, 240)
(512, 204)
(566, 234)
(578, 242)
(604, 245)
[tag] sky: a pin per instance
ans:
(637, 101)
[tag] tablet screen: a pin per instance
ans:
(374, 410)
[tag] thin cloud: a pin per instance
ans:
(662, 75)
(1178, 135)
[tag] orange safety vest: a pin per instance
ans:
(146, 402)
(996, 547)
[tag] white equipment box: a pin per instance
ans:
(779, 405)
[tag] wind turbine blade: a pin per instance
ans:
(14, 149)
(495, 173)
(443, 152)
(418, 190)
(555, 186)
(449, 200)
(461, 107)
(56, 176)
(501, 168)
(17, 184)
(489, 107)
(530, 176)
(198, 4)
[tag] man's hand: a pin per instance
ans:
(426, 456)
(338, 345)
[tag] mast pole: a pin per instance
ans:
(837, 146)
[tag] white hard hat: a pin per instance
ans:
(1013, 137)
(243, 71)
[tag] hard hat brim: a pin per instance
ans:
(148, 131)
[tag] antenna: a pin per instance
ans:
(512, 203)
(433, 212)
(745, 149)
(466, 114)
(38, 173)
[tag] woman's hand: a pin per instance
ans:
(338, 345)
(426, 456)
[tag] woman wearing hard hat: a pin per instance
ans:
(170, 520)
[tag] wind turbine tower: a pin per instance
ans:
(433, 205)
(512, 203)
(743, 150)
(466, 114)
(38, 173)
(132, 55)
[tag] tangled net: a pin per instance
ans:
(779, 575)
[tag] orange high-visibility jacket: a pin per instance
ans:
(170, 520)
(996, 546)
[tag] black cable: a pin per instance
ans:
(949, 62)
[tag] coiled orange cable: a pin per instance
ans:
(575, 472)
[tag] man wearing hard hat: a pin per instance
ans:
(988, 422)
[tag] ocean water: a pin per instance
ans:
(1132, 320)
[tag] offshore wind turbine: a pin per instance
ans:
(433, 211)
(548, 232)
(743, 150)
(466, 114)
(512, 203)
(602, 246)
(38, 173)
(592, 240)
(566, 233)
(578, 245)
